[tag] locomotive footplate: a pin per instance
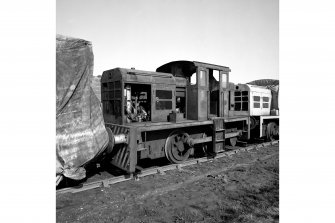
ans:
(175, 141)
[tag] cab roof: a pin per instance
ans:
(188, 67)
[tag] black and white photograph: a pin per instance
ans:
(167, 111)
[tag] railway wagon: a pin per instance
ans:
(260, 104)
(183, 107)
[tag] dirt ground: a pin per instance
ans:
(240, 188)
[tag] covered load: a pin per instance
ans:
(80, 131)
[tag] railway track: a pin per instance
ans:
(157, 170)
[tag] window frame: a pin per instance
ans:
(163, 100)
(241, 104)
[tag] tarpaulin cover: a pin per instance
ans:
(96, 86)
(265, 82)
(81, 134)
(273, 85)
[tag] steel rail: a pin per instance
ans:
(158, 170)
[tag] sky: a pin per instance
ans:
(145, 34)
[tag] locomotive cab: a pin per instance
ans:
(205, 85)
(207, 96)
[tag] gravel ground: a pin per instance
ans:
(240, 188)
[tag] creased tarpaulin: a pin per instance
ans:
(81, 134)
(273, 85)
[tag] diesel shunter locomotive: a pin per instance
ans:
(183, 107)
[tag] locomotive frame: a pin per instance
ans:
(183, 107)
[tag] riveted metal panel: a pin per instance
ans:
(202, 104)
(158, 103)
(192, 103)
(124, 155)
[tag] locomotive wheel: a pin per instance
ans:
(253, 123)
(232, 141)
(272, 131)
(175, 150)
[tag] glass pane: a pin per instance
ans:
(216, 75)
(257, 105)
(237, 93)
(245, 98)
(224, 81)
(180, 94)
(162, 94)
(202, 78)
(266, 99)
(245, 106)
(265, 105)
(257, 98)
(163, 105)
(193, 79)
(238, 106)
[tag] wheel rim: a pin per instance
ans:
(253, 123)
(175, 150)
(272, 131)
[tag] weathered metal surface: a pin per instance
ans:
(187, 68)
(202, 101)
(132, 148)
(236, 119)
(115, 139)
(113, 95)
(272, 131)
(201, 140)
(273, 85)
(264, 120)
(260, 100)
(178, 68)
(160, 114)
(192, 103)
(218, 143)
(154, 141)
(206, 101)
(169, 125)
(121, 138)
(176, 148)
(136, 76)
(123, 153)
(232, 134)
